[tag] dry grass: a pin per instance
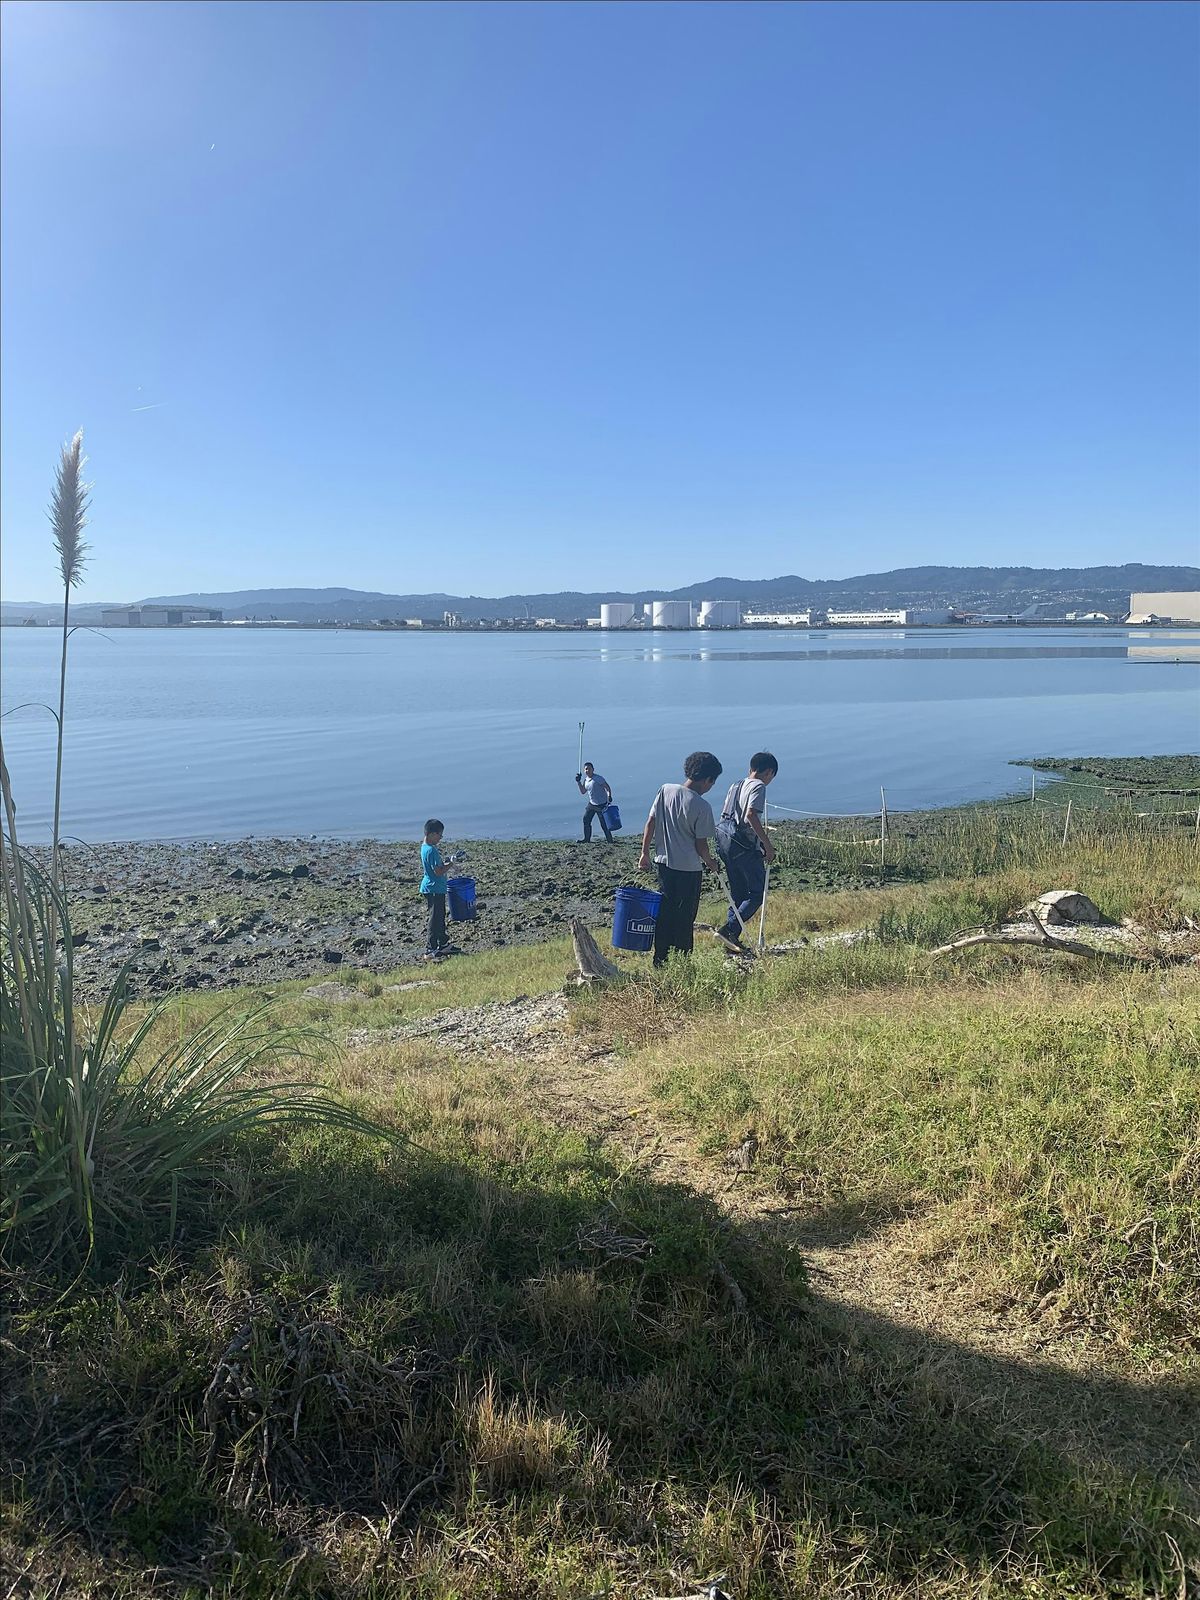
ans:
(410, 1376)
(996, 1101)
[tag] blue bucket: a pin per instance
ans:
(612, 817)
(461, 894)
(634, 918)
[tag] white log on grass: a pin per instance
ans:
(1038, 936)
(593, 966)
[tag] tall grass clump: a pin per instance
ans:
(97, 1132)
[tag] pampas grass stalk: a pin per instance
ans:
(68, 518)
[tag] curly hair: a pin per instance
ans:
(702, 764)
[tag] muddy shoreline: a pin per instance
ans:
(213, 916)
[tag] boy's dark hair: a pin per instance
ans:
(763, 761)
(434, 826)
(590, 764)
(702, 764)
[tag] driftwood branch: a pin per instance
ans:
(1037, 935)
(593, 967)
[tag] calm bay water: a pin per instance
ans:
(179, 734)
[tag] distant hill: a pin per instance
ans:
(973, 588)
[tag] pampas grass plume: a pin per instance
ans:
(68, 511)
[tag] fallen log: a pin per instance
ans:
(1037, 935)
(1071, 947)
(593, 967)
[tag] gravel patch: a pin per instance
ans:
(527, 1027)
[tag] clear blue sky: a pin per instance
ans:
(498, 297)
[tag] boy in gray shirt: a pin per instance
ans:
(680, 826)
(745, 848)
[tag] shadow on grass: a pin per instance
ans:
(510, 1368)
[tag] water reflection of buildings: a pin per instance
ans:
(1180, 651)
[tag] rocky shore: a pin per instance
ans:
(211, 916)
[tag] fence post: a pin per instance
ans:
(1033, 785)
(883, 809)
(1066, 824)
(882, 838)
(1197, 829)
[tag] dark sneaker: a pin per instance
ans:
(734, 946)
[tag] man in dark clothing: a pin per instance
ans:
(679, 827)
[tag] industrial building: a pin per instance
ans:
(902, 618)
(157, 616)
(1182, 605)
(720, 614)
(619, 614)
(777, 619)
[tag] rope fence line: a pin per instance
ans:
(885, 812)
(1124, 786)
(891, 811)
(795, 811)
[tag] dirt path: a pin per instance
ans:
(1044, 1380)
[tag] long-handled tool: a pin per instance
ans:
(579, 768)
(762, 916)
(733, 906)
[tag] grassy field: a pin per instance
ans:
(518, 1356)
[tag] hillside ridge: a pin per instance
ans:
(1104, 588)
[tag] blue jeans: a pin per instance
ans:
(747, 884)
(596, 812)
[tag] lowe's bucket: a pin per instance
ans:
(612, 817)
(634, 918)
(461, 894)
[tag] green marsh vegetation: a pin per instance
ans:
(1163, 776)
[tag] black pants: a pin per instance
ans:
(677, 914)
(591, 812)
(437, 939)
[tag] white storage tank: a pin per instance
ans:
(616, 614)
(720, 614)
(671, 614)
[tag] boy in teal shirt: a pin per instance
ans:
(434, 870)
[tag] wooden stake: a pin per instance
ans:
(1066, 825)
(882, 837)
